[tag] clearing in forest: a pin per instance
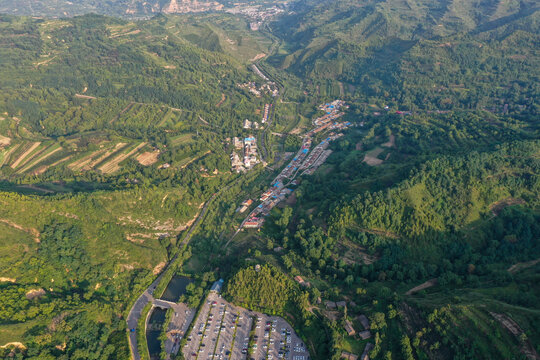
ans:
(371, 157)
(112, 165)
(25, 154)
(425, 285)
(391, 143)
(148, 158)
(4, 141)
(30, 231)
(194, 159)
(497, 207)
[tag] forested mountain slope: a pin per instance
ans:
(116, 135)
(434, 55)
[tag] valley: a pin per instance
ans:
(265, 180)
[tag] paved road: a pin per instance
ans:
(135, 314)
(147, 295)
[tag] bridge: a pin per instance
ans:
(164, 304)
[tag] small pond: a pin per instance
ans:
(155, 324)
(176, 288)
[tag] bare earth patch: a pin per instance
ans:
(14, 344)
(425, 285)
(35, 293)
(113, 166)
(391, 143)
(6, 279)
(355, 254)
(258, 56)
(371, 157)
(4, 141)
(497, 207)
(148, 158)
(159, 267)
(523, 265)
(138, 237)
(526, 347)
(80, 96)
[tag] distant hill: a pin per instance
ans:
(417, 46)
(124, 8)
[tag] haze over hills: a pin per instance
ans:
(368, 171)
(123, 8)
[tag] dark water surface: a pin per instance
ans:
(176, 288)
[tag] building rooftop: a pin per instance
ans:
(217, 286)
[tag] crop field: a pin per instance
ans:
(36, 157)
(41, 157)
(113, 165)
(181, 139)
(28, 149)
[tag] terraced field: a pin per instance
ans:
(36, 157)
(113, 165)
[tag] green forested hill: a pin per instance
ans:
(435, 55)
(114, 134)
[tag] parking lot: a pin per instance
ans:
(222, 331)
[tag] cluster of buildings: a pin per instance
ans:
(266, 112)
(244, 206)
(318, 156)
(332, 111)
(249, 158)
(257, 14)
(333, 106)
(251, 125)
(269, 87)
(303, 160)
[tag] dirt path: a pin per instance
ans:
(36, 188)
(15, 344)
(85, 96)
(223, 98)
(121, 112)
(427, 284)
(523, 265)
(25, 154)
(30, 231)
(526, 347)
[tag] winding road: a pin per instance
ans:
(148, 295)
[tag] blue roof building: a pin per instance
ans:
(217, 286)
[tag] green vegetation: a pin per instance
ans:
(425, 217)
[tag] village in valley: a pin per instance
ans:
(305, 162)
